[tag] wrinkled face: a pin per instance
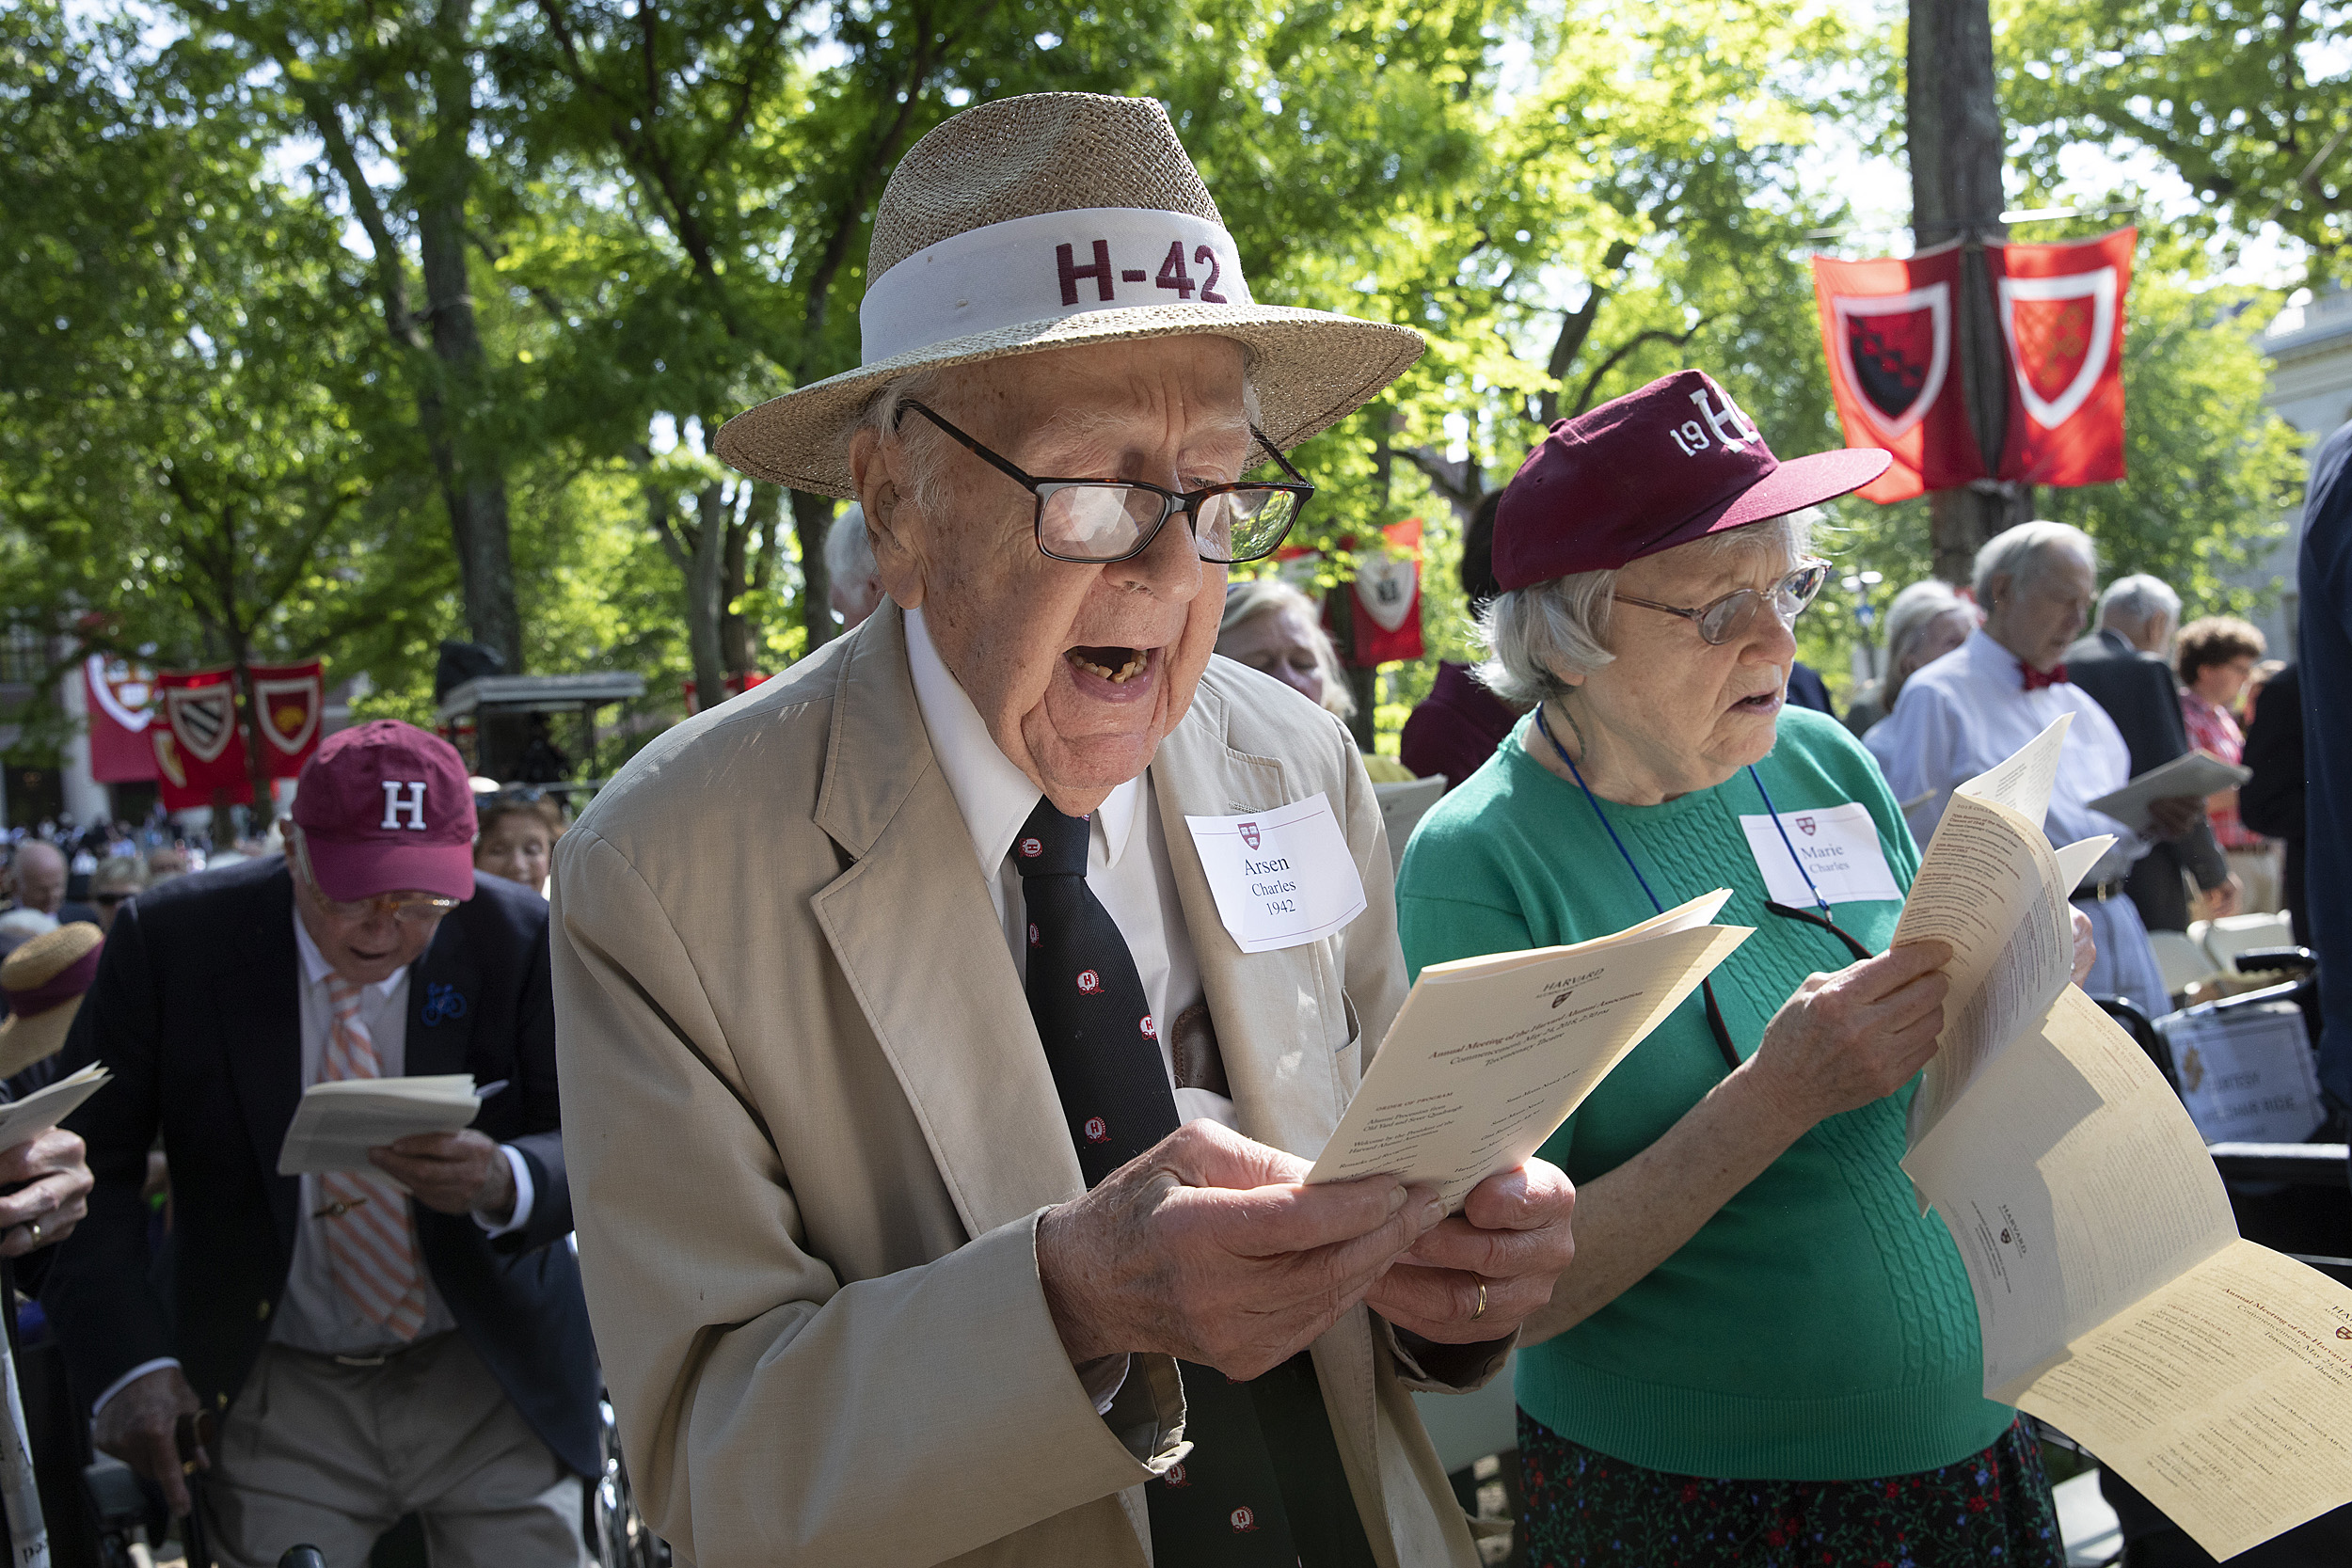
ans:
(40, 877)
(1942, 634)
(1680, 711)
(1077, 670)
(2035, 615)
(364, 948)
(516, 847)
(1285, 644)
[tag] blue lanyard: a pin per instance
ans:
(1820, 903)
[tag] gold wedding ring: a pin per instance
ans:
(36, 1226)
(1482, 1302)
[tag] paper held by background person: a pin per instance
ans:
(2116, 1299)
(1490, 1055)
(2194, 775)
(37, 1113)
(337, 1122)
(1992, 888)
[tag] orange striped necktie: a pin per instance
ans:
(370, 1236)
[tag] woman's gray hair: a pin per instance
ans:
(1916, 610)
(2026, 549)
(1535, 634)
(1251, 597)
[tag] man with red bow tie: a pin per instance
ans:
(1978, 703)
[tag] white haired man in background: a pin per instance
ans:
(857, 588)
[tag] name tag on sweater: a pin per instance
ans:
(1281, 877)
(1838, 846)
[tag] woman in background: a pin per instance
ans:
(517, 830)
(1926, 621)
(1274, 628)
(2215, 659)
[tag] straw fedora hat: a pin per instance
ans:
(1047, 222)
(44, 979)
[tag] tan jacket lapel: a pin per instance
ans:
(912, 927)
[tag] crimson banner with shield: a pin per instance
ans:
(1889, 328)
(2062, 314)
(287, 703)
(121, 697)
(199, 746)
(1388, 599)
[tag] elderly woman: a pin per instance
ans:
(2005, 684)
(1926, 621)
(1764, 1353)
(516, 830)
(940, 1163)
(1274, 629)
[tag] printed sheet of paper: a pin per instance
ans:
(1991, 887)
(1490, 1055)
(1281, 877)
(2191, 773)
(337, 1123)
(2116, 1300)
(42, 1110)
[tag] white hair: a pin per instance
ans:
(2026, 549)
(848, 554)
(2132, 603)
(1535, 634)
(1251, 597)
(1915, 611)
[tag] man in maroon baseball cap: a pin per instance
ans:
(369, 951)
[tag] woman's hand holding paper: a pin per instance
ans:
(1846, 1039)
(1512, 1237)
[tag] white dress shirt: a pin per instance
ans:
(1127, 865)
(1970, 711)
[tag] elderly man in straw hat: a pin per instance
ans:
(941, 1158)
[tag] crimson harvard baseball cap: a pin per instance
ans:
(386, 807)
(1672, 463)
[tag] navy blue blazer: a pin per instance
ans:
(195, 1010)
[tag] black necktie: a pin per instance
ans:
(1237, 1499)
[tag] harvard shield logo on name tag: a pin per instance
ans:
(1838, 848)
(1281, 877)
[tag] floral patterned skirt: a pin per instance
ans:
(1585, 1508)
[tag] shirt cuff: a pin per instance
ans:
(1102, 1378)
(523, 1195)
(118, 1384)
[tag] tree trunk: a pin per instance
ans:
(1953, 124)
(473, 484)
(704, 571)
(812, 520)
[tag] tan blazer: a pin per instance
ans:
(811, 1127)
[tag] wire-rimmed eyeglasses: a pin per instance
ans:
(1093, 522)
(1722, 620)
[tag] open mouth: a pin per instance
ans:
(1116, 665)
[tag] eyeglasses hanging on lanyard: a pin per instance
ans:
(1823, 919)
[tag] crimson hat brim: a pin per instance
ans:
(352, 869)
(1797, 483)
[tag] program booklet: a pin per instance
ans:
(25, 1120)
(1490, 1055)
(2191, 773)
(2115, 1296)
(339, 1121)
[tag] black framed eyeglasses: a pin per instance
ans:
(1093, 522)
(1721, 621)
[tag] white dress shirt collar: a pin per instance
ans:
(993, 795)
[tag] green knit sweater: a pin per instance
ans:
(1818, 1328)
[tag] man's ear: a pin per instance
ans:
(893, 523)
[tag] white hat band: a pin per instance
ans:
(1045, 268)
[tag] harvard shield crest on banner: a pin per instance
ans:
(1388, 599)
(199, 746)
(121, 699)
(288, 700)
(1889, 329)
(2062, 313)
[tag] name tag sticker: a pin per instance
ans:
(1840, 848)
(1281, 877)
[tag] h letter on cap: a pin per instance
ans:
(413, 807)
(1731, 423)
